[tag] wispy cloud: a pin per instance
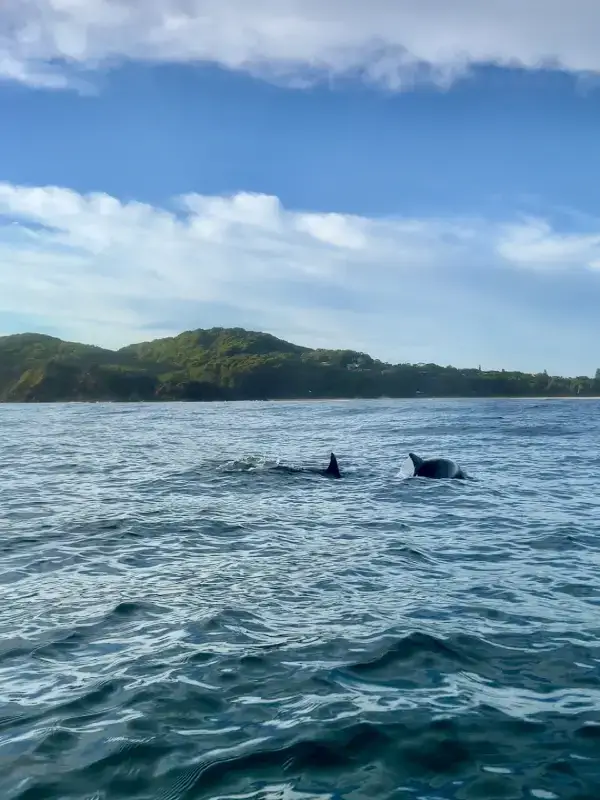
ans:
(394, 43)
(459, 291)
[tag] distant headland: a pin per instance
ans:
(236, 364)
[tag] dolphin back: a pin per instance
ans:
(417, 461)
(333, 470)
(436, 468)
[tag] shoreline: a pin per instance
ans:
(530, 398)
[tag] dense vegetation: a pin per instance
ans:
(234, 364)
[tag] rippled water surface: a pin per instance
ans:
(181, 619)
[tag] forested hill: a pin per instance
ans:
(235, 364)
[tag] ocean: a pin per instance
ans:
(182, 619)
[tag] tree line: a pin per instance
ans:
(236, 364)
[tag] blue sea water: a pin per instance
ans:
(179, 619)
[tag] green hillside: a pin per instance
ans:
(235, 364)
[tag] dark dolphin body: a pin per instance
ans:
(436, 468)
(332, 471)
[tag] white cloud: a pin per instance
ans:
(391, 42)
(535, 244)
(334, 229)
(462, 291)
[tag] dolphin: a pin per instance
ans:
(332, 471)
(436, 468)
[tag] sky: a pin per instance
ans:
(415, 179)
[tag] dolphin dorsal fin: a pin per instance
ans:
(416, 460)
(333, 468)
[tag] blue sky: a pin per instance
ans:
(419, 182)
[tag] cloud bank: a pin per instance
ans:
(463, 291)
(392, 43)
